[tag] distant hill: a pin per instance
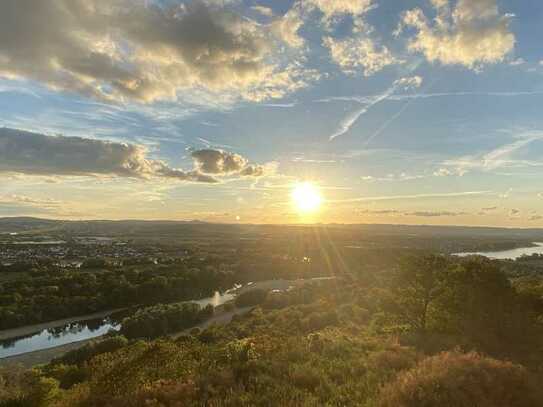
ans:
(22, 224)
(196, 229)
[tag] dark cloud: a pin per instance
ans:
(127, 50)
(514, 213)
(422, 214)
(211, 161)
(432, 214)
(34, 153)
(220, 162)
(380, 212)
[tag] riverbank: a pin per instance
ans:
(26, 330)
(511, 254)
(43, 356)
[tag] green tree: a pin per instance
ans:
(416, 285)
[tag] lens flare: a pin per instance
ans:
(306, 197)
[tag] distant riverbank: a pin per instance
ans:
(513, 254)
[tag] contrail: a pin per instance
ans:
(388, 123)
(348, 122)
(394, 117)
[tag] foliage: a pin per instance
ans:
(26, 388)
(91, 349)
(162, 319)
(455, 379)
(251, 298)
(402, 338)
(59, 294)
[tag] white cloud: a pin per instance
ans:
(265, 11)
(128, 50)
(517, 62)
(353, 54)
(472, 33)
(332, 10)
(411, 82)
(443, 172)
(449, 172)
(500, 157)
(286, 28)
(506, 194)
(414, 196)
(402, 176)
(24, 200)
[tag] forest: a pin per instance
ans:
(433, 330)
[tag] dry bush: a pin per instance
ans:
(162, 393)
(455, 379)
(392, 359)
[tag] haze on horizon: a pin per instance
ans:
(259, 111)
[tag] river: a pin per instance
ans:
(92, 328)
(508, 254)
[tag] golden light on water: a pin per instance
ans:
(306, 198)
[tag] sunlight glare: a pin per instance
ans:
(306, 197)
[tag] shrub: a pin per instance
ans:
(26, 388)
(454, 379)
(319, 320)
(391, 360)
(67, 375)
(91, 349)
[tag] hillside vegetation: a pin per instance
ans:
(434, 331)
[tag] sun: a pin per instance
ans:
(306, 197)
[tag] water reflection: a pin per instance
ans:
(61, 335)
(508, 254)
(88, 329)
(93, 328)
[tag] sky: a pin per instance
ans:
(409, 112)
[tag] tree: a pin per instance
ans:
(416, 285)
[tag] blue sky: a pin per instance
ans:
(399, 112)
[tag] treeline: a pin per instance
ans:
(163, 319)
(469, 301)
(48, 295)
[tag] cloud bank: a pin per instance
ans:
(132, 50)
(352, 54)
(38, 154)
(472, 33)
